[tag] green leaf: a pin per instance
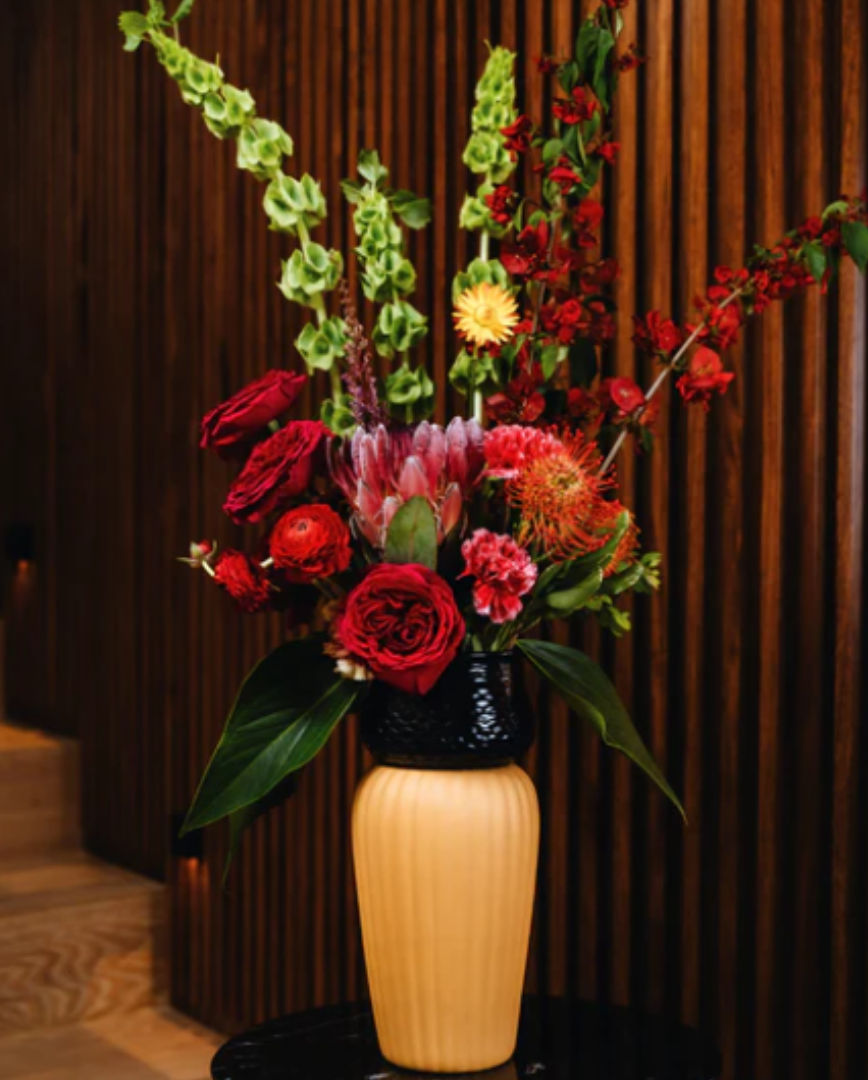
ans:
(414, 211)
(184, 9)
(156, 12)
(604, 76)
(284, 714)
(352, 190)
(587, 690)
(135, 25)
(815, 259)
(241, 820)
(412, 536)
(586, 49)
(566, 602)
(855, 237)
(370, 167)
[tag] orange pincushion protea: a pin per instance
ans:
(561, 499)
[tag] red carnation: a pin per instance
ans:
(231, 427)
(504, 573)
(402, 622)
(310, 542)
(278, 469)
(704, 376)
(244, 580)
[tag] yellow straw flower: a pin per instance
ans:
(486, 314)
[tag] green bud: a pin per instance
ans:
(322, 345)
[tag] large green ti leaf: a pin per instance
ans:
(587, 690)
(284, 714)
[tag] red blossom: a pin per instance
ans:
(565, 175)
(547, 65)
(577, 110)
(244, 580)
(703, 378)
(621, 398)
(608, 151)
(655, 335)
(587, 220)
(527, 259)
(504, 573)
(518, 136)
(630, 60)
(310, 542)
(520, 401)
(582, 405)
(500, 202)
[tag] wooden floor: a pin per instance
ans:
(153, 1044)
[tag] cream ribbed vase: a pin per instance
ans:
(446, 868)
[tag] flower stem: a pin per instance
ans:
(663, 376)
(477, 410)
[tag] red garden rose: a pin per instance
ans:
(278, 469)
(231, 427)
(310, 542)
(403, 624)
(244, 580)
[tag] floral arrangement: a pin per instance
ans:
(405, 542)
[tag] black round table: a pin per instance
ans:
(559, 1039)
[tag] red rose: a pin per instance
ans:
(402, 622)
(232, 426)
(244, 580)
(278, 469)
(310, 542)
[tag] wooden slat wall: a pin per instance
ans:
(138, 292)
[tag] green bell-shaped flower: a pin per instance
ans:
(289, 202)
(410, 394)
(388, 276)
(309, 272)
(479, 272)
(399, 327)
(337, 416)
(262, 146)
(322, 345)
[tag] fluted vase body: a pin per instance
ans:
(445, 839)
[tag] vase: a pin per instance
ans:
(445, 844)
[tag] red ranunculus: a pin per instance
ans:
(310, 542)
(231, 427)
(244, 580)
(402, 622)
(278, 469)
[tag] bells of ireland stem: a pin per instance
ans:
(410, 394)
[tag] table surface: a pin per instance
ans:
(559, 1039)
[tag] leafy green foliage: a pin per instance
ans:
(284, 714)
(855, 237)
(183, 10)
(412, 535)
(586, 688)
(815, 259)
(135, 26)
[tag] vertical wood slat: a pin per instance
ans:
(142, 294)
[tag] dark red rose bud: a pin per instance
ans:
(231, 428)
(402, 622)
(310, 542)
(278, 470)
(244, 580)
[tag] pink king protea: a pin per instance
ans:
(380, 470)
